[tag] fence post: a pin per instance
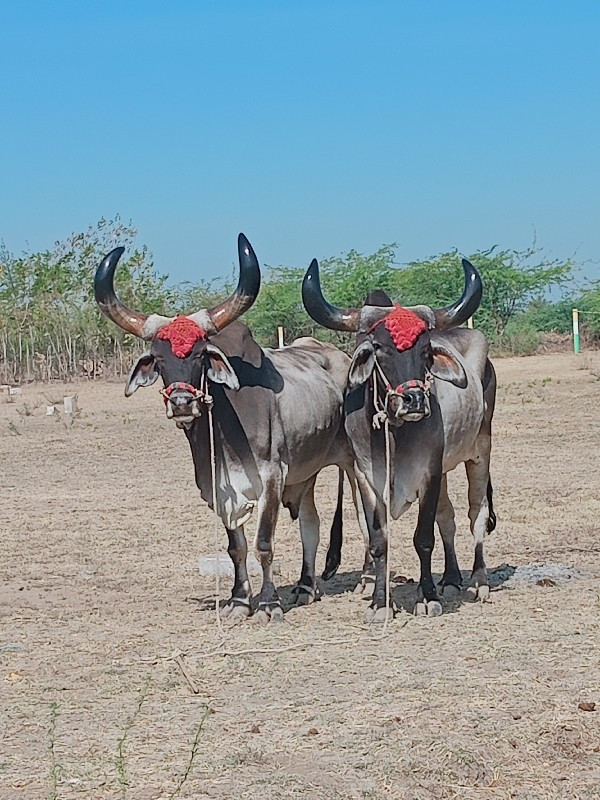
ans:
(576, 346)
(280, 336)
(470, 323)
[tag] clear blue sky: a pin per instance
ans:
(314, 127)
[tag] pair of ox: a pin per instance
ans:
(280, 416)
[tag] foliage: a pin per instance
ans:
(588, 303)
(50, 326)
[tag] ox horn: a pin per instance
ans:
(246, 291)
(320, 310)
(104, 290)
(466, 306)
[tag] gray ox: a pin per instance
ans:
(435, 387)
(278, 420)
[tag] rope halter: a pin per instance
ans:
(382, 406)
(199, 395)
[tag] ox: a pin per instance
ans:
(277, 416)
(430, 386)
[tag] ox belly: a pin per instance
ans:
(309, 408)
(462, 415)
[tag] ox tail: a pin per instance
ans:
(492, 517)
(334, 551)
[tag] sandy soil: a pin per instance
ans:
(102, 528)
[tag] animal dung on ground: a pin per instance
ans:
(584, 706)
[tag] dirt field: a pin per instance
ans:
(102, 528)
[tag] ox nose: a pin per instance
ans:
(182, 404)
(414, 400)
(416, 405)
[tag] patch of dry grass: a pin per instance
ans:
(99, 581)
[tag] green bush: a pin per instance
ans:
(520, 338)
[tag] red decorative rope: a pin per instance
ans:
(182, 333)
(404, 327)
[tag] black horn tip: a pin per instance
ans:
(249, 267)
(312, 273)
(311, 283)
(105, 272)
(243, 243)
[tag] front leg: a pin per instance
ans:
(269, 605)
(238, 608)
(381, 607)
(451, 580)
(428, 602)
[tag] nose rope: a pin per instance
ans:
(381, 414)
(204, 396)
(197, 394)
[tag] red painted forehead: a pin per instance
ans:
(404, 327)
(182, 333)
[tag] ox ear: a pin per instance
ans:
(220, 370)
(363, 363)
(446, 367)
(143, 373)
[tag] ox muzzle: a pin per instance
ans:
(407, 402)
(183, 403)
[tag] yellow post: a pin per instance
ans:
(280, 336)
(470, 323)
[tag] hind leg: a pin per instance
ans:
(479, 514)
(306, 590)
(367, 577)
(451, 579)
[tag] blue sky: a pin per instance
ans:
(314, 127)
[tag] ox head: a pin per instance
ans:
(393, 345)
(181, 352)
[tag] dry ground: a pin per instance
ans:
(101, 530)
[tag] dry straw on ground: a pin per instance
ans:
(102, 528)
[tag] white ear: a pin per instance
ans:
(363, 363)
(447, 368)
(143, 373)
(220, 370)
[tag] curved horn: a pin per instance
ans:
(320, 310)
(246, 291)
(466, 306)
(104, 290)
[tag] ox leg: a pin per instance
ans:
(306, 590)
(269, 605)
(238, 608)
(428, 601)
(452, 578)
(479, 514)
(336, 534)
(381, 607)
(367, 577)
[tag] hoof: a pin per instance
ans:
(450, 591)
(269, 615)
(365, 581)
(479, 592)
(379, 615)
(235, 613)
(329, 571)
(304, 595)
(428, 608)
